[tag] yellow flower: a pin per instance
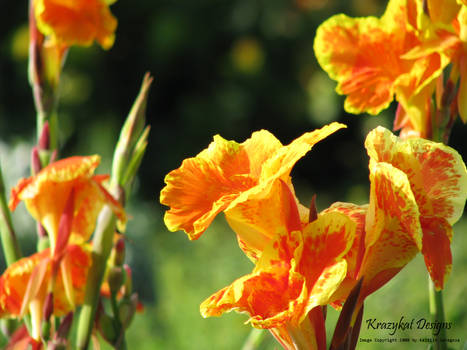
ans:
(239, 179)
(76, 22)
(373, 59)
(438, 180)
(46, 196)
(298, 271)
(27, 283)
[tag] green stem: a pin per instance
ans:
(437, 314)
(102, 245)
(121, 342)
(9, 242)
(254, 340)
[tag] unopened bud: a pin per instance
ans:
(127, 309)
(64, 328)
(48, 309)
(115, 279)
(118, 252)
(44, 139)
(128, 286)
(449, 93)
(47, 312)
(36, 165)
(313, 212)
(107, 328)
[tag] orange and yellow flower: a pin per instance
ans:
(373, 59)
(298, 271)
(418, 191)
(46, 196)
(438, 180)
(66, 198)
(239, 179)
(78, 22)
(27, 282)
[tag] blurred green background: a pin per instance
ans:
(220, 67)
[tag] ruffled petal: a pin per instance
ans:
(15, 280)
(393, 232)
(228, 174)
(205, 185)
(437, 174)
(364, 56)
(437, 235)
(46, 194)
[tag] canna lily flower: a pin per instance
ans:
(371, 60)
(47, 194)
(239, 179)
(77, 22)
(438, 180)
(388, 233)
(28, 282)
(298, 271)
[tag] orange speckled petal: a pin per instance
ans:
(266, 212)
(46, 193)
(363, 56)
(437, 235)
(15, 279)
(393, 232)
(357, 214)
(436, 172)
(227, 174)
(204, 186)
(14, 282)
(78, 22)
(270, 298)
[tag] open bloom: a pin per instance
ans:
(77, 22)
(298, 271)
(438, 180)
(373, 59)
(418, 190)
(47, 194)
(27, 283)
(66, 198)
(239, 179)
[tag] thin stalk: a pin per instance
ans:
(102, 245)
(254, 339)
(10, 244)
(437, 314)
(441, 125)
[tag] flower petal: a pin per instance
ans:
(228, 174)
(437, 235)
(204, 186)
(20, 277)
(363, 55)
(46, 195)
(436, 172)
(393, 232)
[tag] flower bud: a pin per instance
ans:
(107, 328)
(127, 309)
(115, 279)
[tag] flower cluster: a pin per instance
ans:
(65, 198)
(403, 54)
(305, 260)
